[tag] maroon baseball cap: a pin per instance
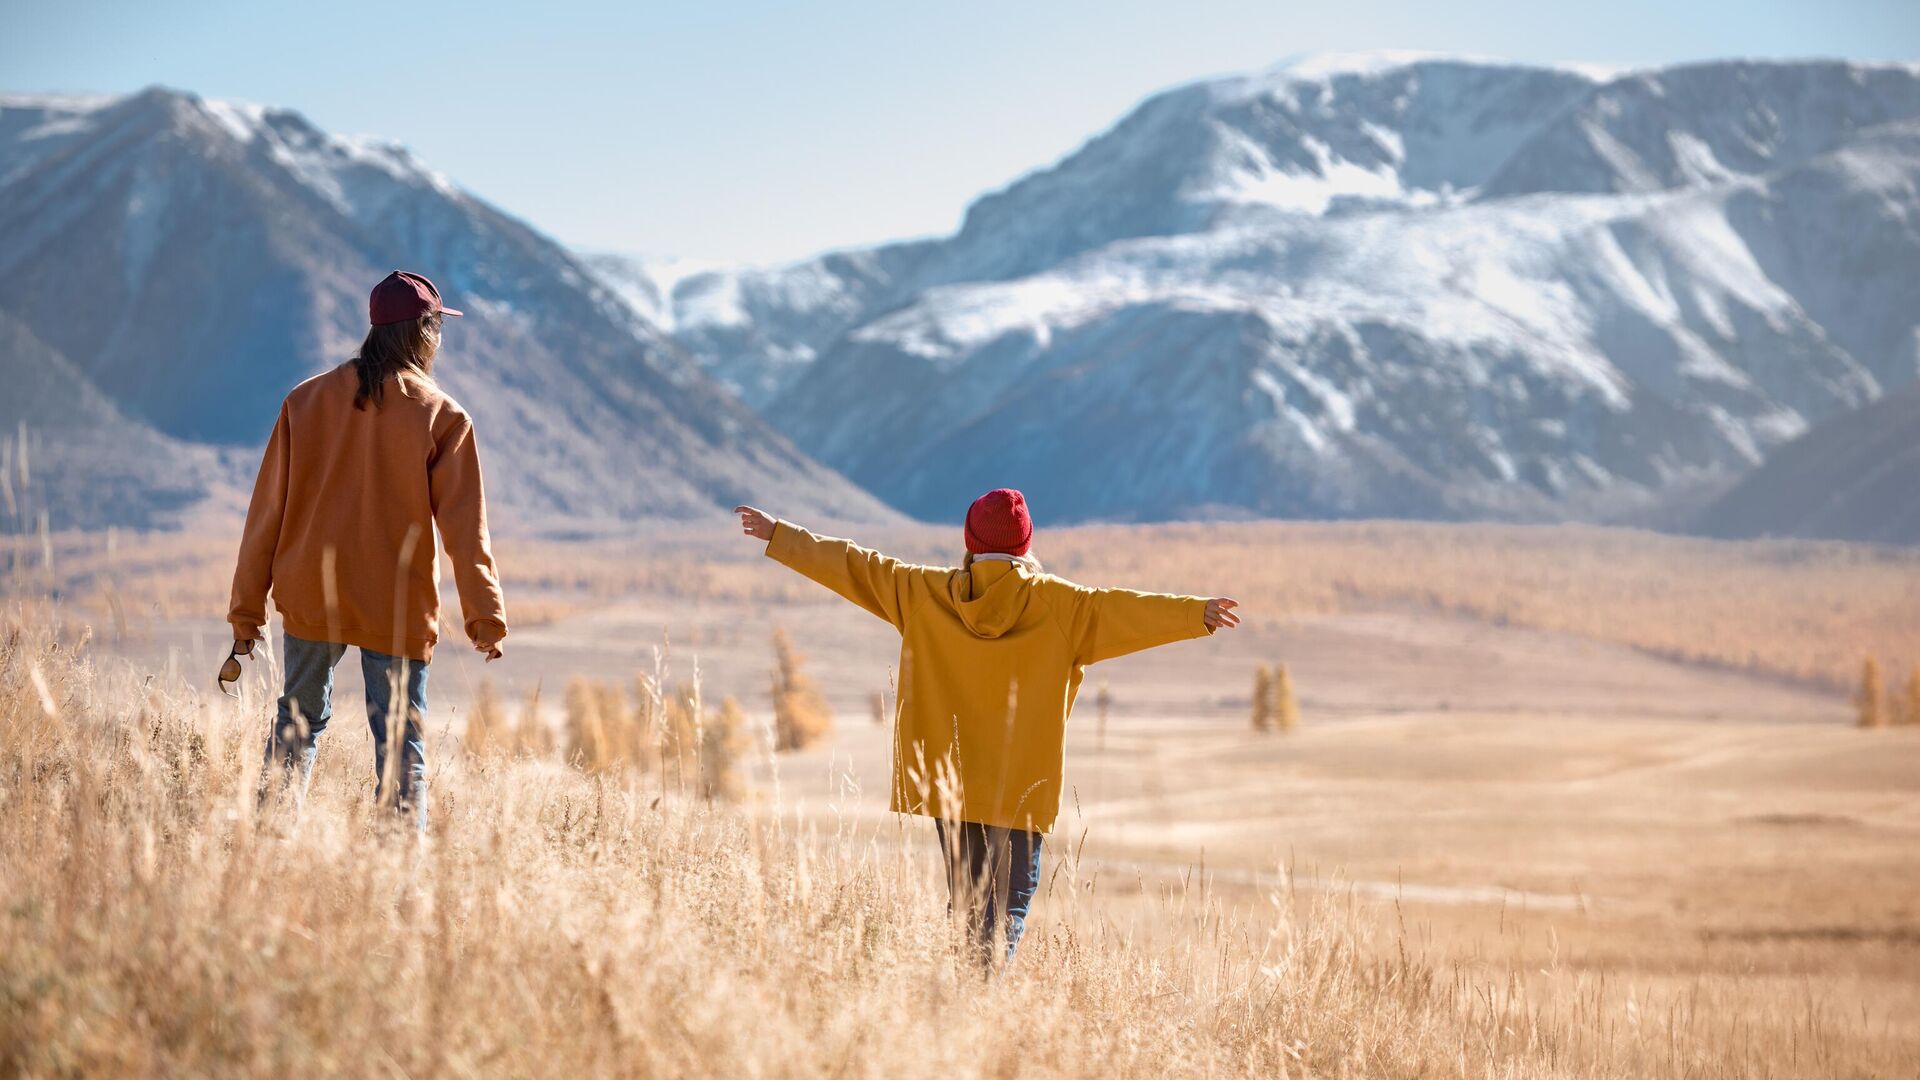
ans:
(403, 297)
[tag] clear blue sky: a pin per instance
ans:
(761, 131)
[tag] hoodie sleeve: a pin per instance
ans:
(253, 571)
(882, 585)
(460, 509)
(1105, 623)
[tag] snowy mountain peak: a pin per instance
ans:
(1378, 284)
(1323, 68)
(336, 167)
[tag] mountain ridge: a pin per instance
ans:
(194, 260)
(1423, 327)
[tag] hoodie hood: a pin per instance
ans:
(990, 597)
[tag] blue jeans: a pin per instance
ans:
(307, 704)
(976, 856)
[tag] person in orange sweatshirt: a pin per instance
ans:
(991, 657)
(364, 461)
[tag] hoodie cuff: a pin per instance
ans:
(781, 545)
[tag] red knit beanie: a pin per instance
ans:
(998, 522)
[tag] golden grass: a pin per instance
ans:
(1804, 611)
(558, 922)
(1809, 612)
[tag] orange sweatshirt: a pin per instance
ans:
(342, 519)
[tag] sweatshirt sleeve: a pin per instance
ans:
(460, 509)
(1106, 623)
(253, 571)
(875, 582)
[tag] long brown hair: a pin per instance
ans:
(402, 348)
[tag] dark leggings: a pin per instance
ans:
(976, 855)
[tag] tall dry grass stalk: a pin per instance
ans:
(491, 731)
(554, 922)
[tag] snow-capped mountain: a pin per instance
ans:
(1370, 285)
(191, 260)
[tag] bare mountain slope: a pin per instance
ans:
(86, 464)
(195, 259)
(1854, 477)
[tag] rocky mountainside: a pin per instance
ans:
(1377, 285)
(185, 262)
(1853, 477)
(68, 452)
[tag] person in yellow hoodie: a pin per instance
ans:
(991, 657)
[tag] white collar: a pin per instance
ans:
(999, 556)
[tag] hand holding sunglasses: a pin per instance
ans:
(230, 669)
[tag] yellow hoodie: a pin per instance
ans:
(990, 661)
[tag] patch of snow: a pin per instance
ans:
(1695, 159)
(716, 302)
(243, 120)
(1286, 189)
(1737, 433)
(1781, 424)
(1390, 140)
(1323, 66)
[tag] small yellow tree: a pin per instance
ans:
(726, 740)
(1263, 698)
(800, 713)
(1910, 698)
(1871, 702)
(877, 701)
(1286, 711)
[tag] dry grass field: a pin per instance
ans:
(1563, 802)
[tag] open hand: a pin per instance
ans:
(755, 523)
(1220, 613)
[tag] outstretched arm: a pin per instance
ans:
(877, 583)
(1114, 622)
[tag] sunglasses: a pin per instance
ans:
(230, 670)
